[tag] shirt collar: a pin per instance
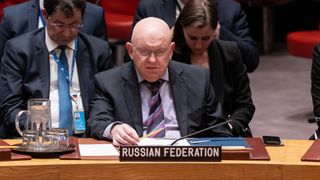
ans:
(52, 45)
(181, 4)
(164, 77)
(41, 4)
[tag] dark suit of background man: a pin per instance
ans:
(233, 23)
(25, 17)
(119, 107)
(315, 89)
(29, 69)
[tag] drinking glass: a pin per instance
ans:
(62, 138)
(29, 138)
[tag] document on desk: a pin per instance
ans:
(161, 142)
(98, 150)
(227, 143)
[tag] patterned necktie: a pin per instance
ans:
(65, 106)
(155, 119)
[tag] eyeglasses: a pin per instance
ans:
(146, 53)
(61, 26)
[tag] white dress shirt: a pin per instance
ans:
(54, 93)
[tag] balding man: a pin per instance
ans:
(152, 93)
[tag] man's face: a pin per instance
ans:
(151, 56)
(63, 29)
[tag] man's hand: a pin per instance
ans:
(123, 134)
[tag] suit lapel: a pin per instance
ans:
(33, 15)
(42, 62)
(216, 68)
(84, 72)
(179, 93)
(131, 93)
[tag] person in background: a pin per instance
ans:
(25, 17)
(56, 62)
(196, 43)
(232, 20)
(315, 89)
(152, 93)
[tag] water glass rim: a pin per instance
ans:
(39, 99)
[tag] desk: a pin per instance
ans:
(285, 164)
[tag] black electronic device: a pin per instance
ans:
(272, 140)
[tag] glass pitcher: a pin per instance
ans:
(38, 118)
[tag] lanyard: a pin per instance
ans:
(74, 57)
(41, 17)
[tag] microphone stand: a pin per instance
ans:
(198, 132)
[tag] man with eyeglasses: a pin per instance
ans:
(56, 62)
(153, 94)
(25, 17)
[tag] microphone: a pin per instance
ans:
(198, 132)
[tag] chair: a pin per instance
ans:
(2, 6)
(6, 3)
(302, 43)
(119, 16)
(15, 1)
(267, 19)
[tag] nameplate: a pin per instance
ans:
(170, 153)
(5, 154)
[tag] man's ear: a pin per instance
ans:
(129, 49)
(44, 13)
(172, 46)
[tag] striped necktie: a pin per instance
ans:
(155, 119)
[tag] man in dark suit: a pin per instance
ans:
(31, 65)
(233, 23)
(315, 90)
(25, 17)
(120, 108)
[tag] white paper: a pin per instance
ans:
(98, 150)
(162, 142)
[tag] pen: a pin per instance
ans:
(152, 133)
(8, 147)
(200, 141)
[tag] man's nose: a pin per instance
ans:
(66, 31)
(152, 57)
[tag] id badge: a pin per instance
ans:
(79, 121)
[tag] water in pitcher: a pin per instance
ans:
(39, 117)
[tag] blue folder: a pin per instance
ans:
(219, 141)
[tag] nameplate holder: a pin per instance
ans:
(171, 153)
(5, 154)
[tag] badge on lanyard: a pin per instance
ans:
(79, 122)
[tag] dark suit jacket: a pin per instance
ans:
(117, 98)
(315, 86)
(23, 18)
(234, 26)
(25, 72)
(230, 82)
(315, 81)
